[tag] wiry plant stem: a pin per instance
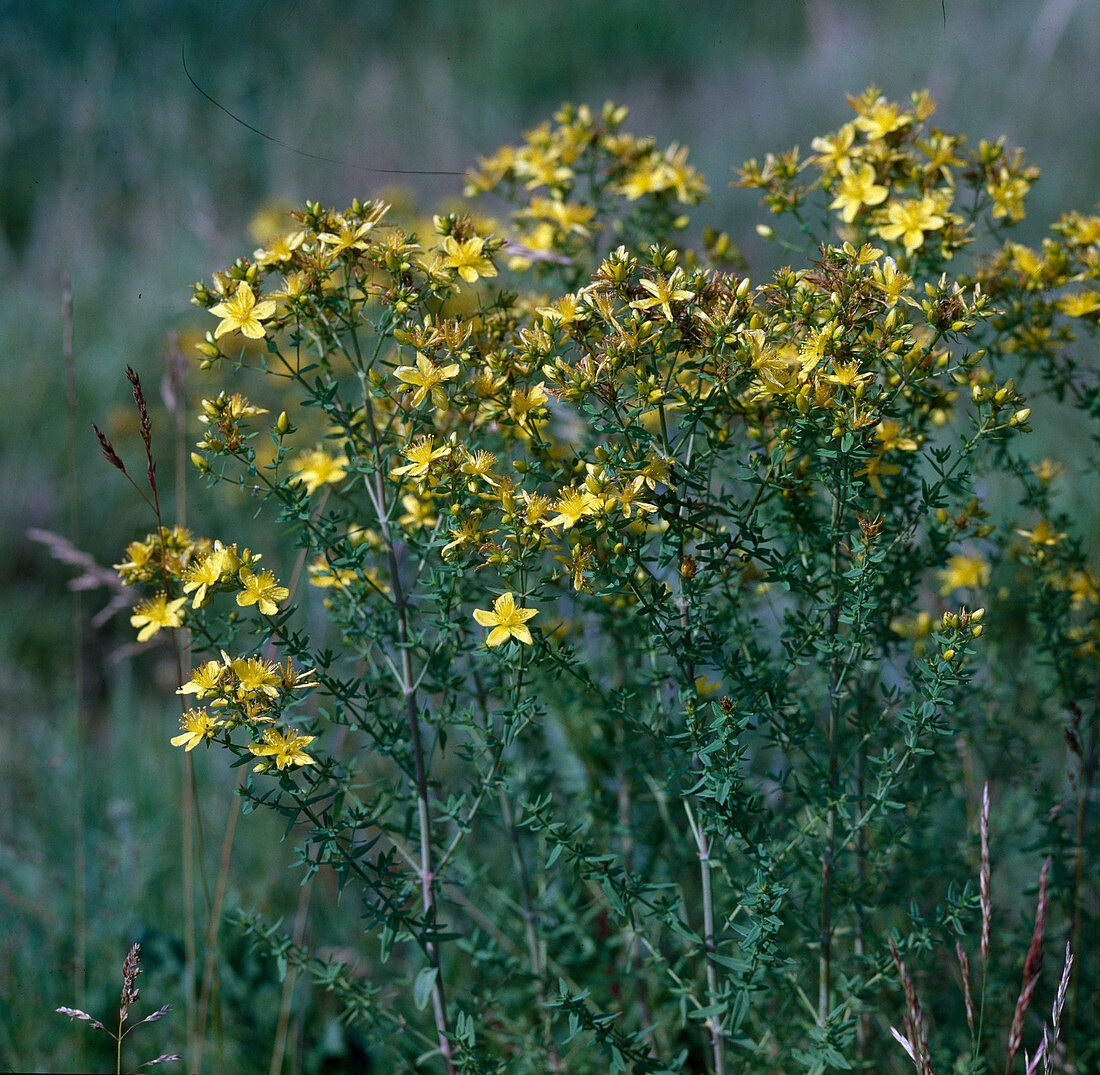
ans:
(534, 953)
(427, 873)
(627, 846)
(80, 936)
(702, 846)
(824, 980)
(425, 870)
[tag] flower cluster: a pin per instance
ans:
(891, 178)
(248, 691)
(594, 521)
(563, 171)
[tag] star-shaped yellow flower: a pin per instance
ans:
(206, 679)
(317, 468)
(426, 377)
(286, 749)
(1043, 534)
(242, 313)
(255, 676)
(963, 572)
(467, 257)
(197, 725)
(909, 220)
(506, 621)
(1080, 304)
(857, 188)
(421, 456)
(665, 292)
(571, 506)
(157, 612)
(261, 590)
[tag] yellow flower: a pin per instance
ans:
(257, 676)
(323, 576)
(909, 220)
(890, 433)
(525, 400)
(261, 590)
(676, 174)
(467, 258)
(506, 621)
(348, 238)
(963, 572)
(919, 626)
(571, 506)
(535, 506)
(197, 725)
(228, 409)
(812, 351)
(664, 292)
(891, 282)
(243, 313)
(467, 532)
(295, 679)
(199, 576)
(419, 512)
(139, 564)
(645, 179)
(847, 375)
(1046, 470)
(480, 465)
(1080, 304)
(569, 216)
(657, 471)
(857, 188)
(1084, 588)
(281, 250)
(317, 468)
(835, 151)
(157, 612)
(204, 680)
(286, 749)
(875, 468)
(209, 571)
(426, 376)
(1043, 534)
(1008, 195)
(628, 498)
(1026, 260)
(422, 455)
(881, 118)
(581, 562)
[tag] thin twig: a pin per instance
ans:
(80, 934)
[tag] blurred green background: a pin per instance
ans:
(117, 172)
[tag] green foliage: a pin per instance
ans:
(655, 640)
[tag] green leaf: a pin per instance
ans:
(422, 988)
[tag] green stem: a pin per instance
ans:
(824, 982)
